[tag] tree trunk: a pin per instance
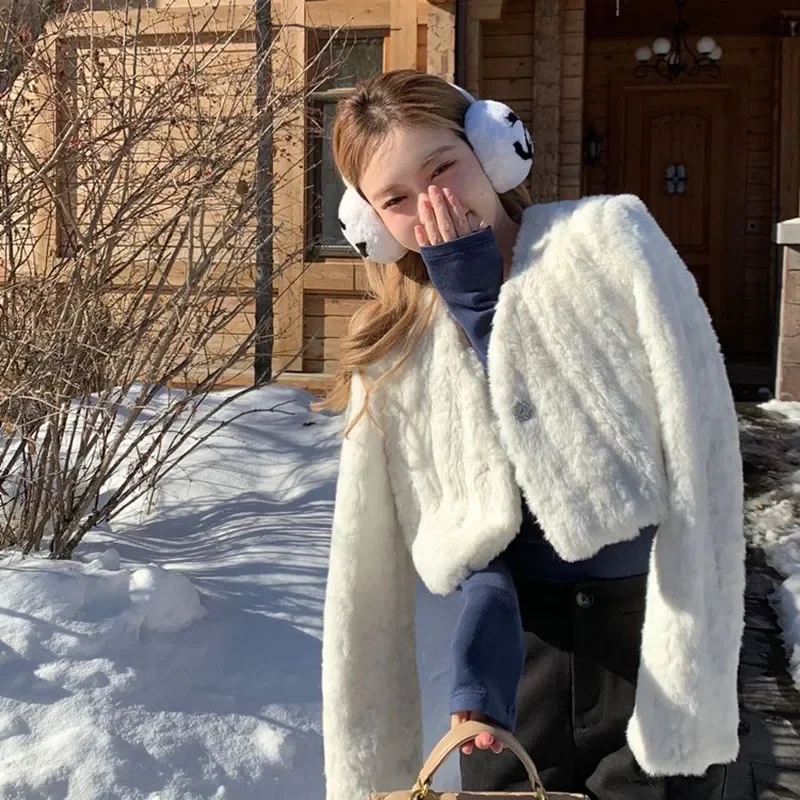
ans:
(264, 262)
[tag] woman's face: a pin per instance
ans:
(408, 162)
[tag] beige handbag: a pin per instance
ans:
(452, 741)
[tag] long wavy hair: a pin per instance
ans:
(396, 316)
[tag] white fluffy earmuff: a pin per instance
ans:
(364, 229)
(501, 144)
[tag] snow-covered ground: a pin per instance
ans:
(178, 656)
(771, 447)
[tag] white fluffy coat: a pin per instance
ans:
(607, 403)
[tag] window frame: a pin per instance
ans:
(315, 249)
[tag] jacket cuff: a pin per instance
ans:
(485, 703)
(471, 263)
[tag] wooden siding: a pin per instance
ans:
(788, 362)
(607, 57)
(535, 57)
(547, 96)
(159, 49)
(327, 317)
(573, 44)
(501, 47)
(288, 209)
(788, 145)
(334, 288)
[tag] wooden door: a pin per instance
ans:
(677, 149)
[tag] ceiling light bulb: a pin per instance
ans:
(705, 45)
(662, 46)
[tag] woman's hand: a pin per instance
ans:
(443, 218)
(484, 741)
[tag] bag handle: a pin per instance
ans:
(462, 733)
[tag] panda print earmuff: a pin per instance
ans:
(501, 144)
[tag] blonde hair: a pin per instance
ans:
(396, 317)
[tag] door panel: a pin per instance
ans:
(675, 150)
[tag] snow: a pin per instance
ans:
(789, 410)
(772, 520)
(178, 655)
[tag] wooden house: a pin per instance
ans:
(716, 155)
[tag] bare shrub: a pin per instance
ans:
(128, 197)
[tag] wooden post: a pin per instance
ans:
(403, 37)
(573, 47)
(441, 55)
(789, 163)
(43, 140)
(265, 315)
(546, 115)
(289, 168)
(478, 12)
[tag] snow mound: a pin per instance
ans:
(85, 605)
(166, 601)
(786, 602)
(772, 504)
(63, 627)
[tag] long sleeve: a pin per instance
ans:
(372, 728)
(488, 646)
(694, 620)
(468, 273)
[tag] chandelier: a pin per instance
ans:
(673, 57)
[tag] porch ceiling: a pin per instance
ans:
(651, 17)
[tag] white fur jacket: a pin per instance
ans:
(607, 403)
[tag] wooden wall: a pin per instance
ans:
(532, 59)
(788, 361)
(604, 57)
(333, 288)
(534, 56)
(161, 46)
(502, 40)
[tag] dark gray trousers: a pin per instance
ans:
(576, 697)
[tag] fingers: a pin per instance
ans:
(474, 222)
(427, 218)
(422, 236)
(443, 218)
(490, 743)
(458, 214)
(455, 720)
(483, 741)
(441, 210)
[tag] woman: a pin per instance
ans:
(538, 414)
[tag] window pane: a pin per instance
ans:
(356, 59)
(330, 184)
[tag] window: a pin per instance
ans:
(347, 61)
